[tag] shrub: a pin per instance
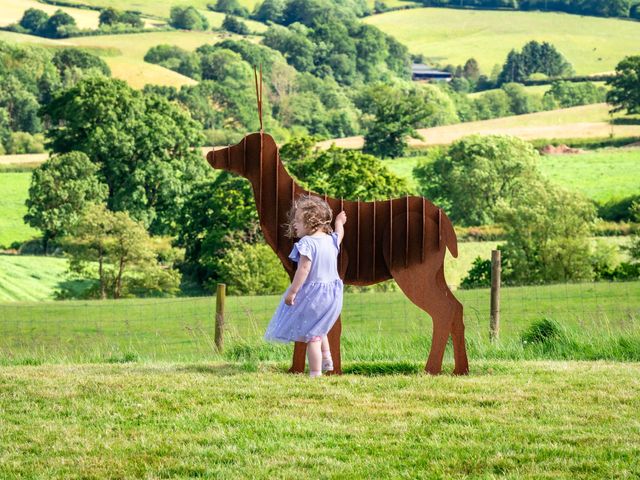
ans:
(232, 24)
(479, 276)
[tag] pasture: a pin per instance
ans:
(586, 121)
(14, 189)
(592, 45)
(598, 321)
(216, 420)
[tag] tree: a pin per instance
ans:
(187, 18)
(395, 113)
(232, 24)
(125, 256)
(269, 11)
(625, 86)
(471, 70)
(33, 20)
(340, 173)
(218, 215)
(232, 7)
(58, 25)
(493, 167)
(60, 189)
(547, 230)
(109, 16)
(144, 146)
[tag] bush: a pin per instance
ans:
(618, 210)
(23, 142)
(545, 330)
(479, 276)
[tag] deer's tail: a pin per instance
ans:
(447, 234)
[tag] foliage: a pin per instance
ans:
(142, 144)
(269, 11)
(69, 58)
(111, 16)
(395, 113)
(340, 173)
(253, 269)
(493, 167)
(231, 7)
(176, 59)
(218, 215)
(568, 94)
(126, 257)
(60, 189)
(187, 18)
(547, 230)
(479, 276)
(23, 142)
(38, 22)
(534, 58)
(520, 102)
(234, 25)
(625, 86)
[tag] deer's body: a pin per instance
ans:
(402, 238)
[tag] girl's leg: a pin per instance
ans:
(314, 355)
(327, 362)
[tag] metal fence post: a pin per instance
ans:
(494, 320)
(220, 296)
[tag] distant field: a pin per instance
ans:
(13, 192)
(588, 121)
(592, 45)
(125, 53)
(533, 89)
(11, 11)
(600, 175)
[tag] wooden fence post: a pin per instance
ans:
(220, 296)
(494, 320)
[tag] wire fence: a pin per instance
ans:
(178, 329)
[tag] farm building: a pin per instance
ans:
(421, 72)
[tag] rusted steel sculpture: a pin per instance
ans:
(401, 238)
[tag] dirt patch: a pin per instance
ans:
(559, 150)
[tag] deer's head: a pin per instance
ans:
(248, 158)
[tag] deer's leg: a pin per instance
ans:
(299, 358)
(434, 297)
(334, 345)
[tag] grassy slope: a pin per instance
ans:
(507, 419)
(592, 45)
(587, 121)
(13, 192)
(12, 11)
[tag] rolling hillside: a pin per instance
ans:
(592, 45)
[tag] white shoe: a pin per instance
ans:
(327, 364)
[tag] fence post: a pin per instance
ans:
(220, 296)
(494, 320)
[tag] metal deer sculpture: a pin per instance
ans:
(401, 238)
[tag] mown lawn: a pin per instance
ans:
(533, 420)
(590, 44)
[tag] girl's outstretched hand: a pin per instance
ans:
(289, 298)
(341, 218)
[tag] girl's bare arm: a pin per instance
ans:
(341, 219)
(304, 266)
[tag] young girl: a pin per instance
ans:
(312, 304)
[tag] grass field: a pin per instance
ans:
(587, 121)
(14, 188)
(592, 45)
(600, 175)
(526, 420)
(600, 321)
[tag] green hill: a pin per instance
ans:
(592, 45)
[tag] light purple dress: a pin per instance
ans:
(319, 300)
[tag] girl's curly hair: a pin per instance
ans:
(316, 215)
